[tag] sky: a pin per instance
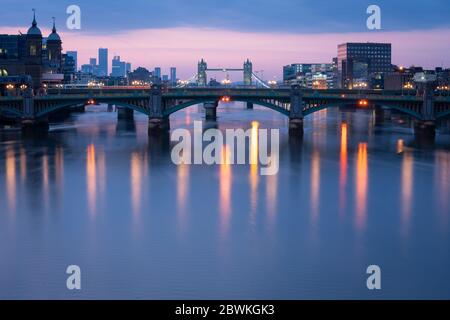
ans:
(271, 33)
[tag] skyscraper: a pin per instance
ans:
(173, 76)
(103, 62)
(94, 66)
(74, 55)
(157, 72)
(118, 67)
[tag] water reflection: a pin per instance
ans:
(101, 166)
(11, 177)
(136, 183)
(407, 190)
(254, 173)
(315, 184)
(442, 181)
(182, 193)
(400, 146)
(272, 195)
(290, 245)
(343, 168)
(45, 180)
(23, 164)
(225, 179)
(91, 175)
(59, 165)
(361, 186)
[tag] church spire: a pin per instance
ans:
(34, 30)
(34, 24)
(54, 26)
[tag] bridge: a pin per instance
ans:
(158, 103)
(201, 78)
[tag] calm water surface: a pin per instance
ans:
(101, 194)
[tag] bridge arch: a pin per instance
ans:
(190, 103)
(51, 109)
(320, 107)
(443, 114)
(403, 110)
(10, 111)
(406, 111)
(55, 108)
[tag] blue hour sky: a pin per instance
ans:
(296, 16)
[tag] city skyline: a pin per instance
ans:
(322, 49)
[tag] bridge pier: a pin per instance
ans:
(379, 115)
(34, 127)
(249, 105)
(156, 125)
(425, 130)
(296, 125)
(211, 110)
(296, 111)
(110, 107)
(80, 109)
(125, 113)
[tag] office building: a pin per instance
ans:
(103, 62)
(173, 76)
(118, 67)
(361, 62)
(306, 74)
(157, 72)
(68, 68)
(74, 55)
(87, 69)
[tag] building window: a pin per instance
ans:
(33, 50)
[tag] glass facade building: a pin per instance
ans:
(306, 74)
(103, 62)
(359, 59)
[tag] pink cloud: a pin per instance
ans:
(183, 47)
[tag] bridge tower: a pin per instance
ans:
(296, 110)
(248, 72)
(201, 73)
(426, 126)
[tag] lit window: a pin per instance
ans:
(33, 50)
